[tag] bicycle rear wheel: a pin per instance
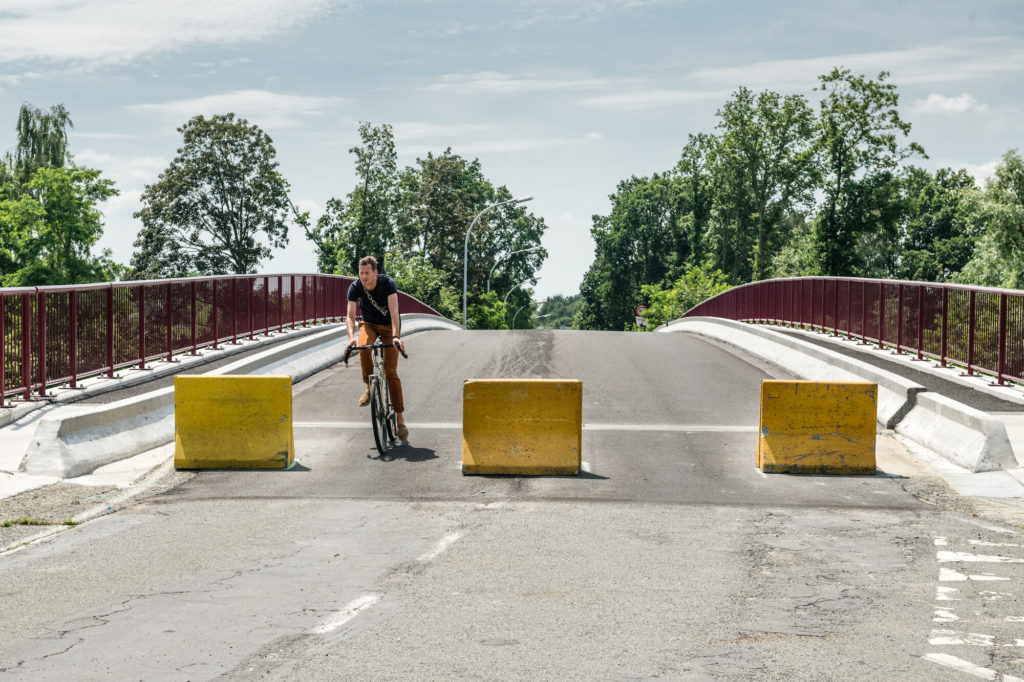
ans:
(378, 416)
(389, 414)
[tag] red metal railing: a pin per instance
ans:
(979, 328)
(57, 335)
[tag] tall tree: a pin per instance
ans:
(938, 231)
(766, 140)
(42, 142)
(216, 202)
(999, 254)
(858, 142)
(364, 224)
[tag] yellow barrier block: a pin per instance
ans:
(817, 427)
(522, 426)
(233, 422)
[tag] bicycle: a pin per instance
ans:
(382, 412)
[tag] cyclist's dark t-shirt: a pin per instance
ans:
(385, 287)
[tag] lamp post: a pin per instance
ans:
(505, 301)
(465, 250)
(535, 316)
(500, 260)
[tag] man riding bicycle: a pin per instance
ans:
(377, 298)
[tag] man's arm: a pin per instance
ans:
(396, 320)
(350, 322)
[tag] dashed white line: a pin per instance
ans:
(954, 638)
(943, 593)
(350, 611)
(944, 616)
(967, 667)
(440, 547)
(945, 557)
(949, 575)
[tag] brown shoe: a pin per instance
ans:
(403, 432)
(364, 399)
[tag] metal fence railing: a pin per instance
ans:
(61, 334)
(978, 328)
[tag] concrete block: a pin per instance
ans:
(233, 422)
(817, 427)
(522, 426)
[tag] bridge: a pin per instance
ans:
(670, 555)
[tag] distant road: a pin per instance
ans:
(670, 556)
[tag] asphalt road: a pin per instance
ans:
(671, 557)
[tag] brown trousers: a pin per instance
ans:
(368, 333)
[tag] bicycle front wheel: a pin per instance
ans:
(379, 416)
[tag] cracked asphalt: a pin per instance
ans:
(674, 558)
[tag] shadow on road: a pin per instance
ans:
(406, 452)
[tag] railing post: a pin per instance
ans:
(1002, 340)
(835, 309)
(169, 318)
(266, 305)
(41, 310)
(920, 322)
(26, 345)
(881, 315)
(192, 315)
(823, 316)
(899, 319)
(3, 354)
(142, 327)
(280, 303)
(970, 334)
(74, 338)
(252, 284)
(945, 312)
(849, 309)
(216, 314)
(234, 311)
(305, 314)
(110, 332)
(291, 297)
(863, 313)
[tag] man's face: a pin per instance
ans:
(368, 276)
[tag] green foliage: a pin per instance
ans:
(559, 312)
(999, 256)
(695, 286)
(212, 207)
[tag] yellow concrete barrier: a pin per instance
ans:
(233, 422)
(522, 426)
(817, 427)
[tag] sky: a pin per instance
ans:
(559, 99)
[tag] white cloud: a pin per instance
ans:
(505, 146)
(266, 109)
(117, 31)
(503, 83)
(940, 104)
(417, 130)
(950, 61)
(982, 173)
(125, 171)
(649, 99)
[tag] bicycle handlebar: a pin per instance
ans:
(377, 345)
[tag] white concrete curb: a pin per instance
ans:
(961, 434)
(76, 440)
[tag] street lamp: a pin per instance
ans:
(535, 316)
(500, 260)
(505, 301)
(465, 250)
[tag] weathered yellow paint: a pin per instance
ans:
(233, 422)
(817, 427)
(528, 427)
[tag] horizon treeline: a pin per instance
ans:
(782, 190)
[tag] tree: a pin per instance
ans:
(696, 286)
(857, 142)
(938, 230)
(365, 223)
(48, 233)
(766, 142)
(42, 142)
(999, 254)
(211, 207)
(558, 311)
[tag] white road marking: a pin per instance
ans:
(944, 616)
(949, 575)
(941, 542)
(683, 428)
(946, 593)
(967, 667)
(994, 596)
(350, 611)
(944, 557)
(954, 638)
(440, 547)
(983, 543)
(1014, 619)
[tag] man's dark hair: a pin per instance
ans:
(375, 263)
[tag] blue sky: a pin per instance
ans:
(559, 99)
